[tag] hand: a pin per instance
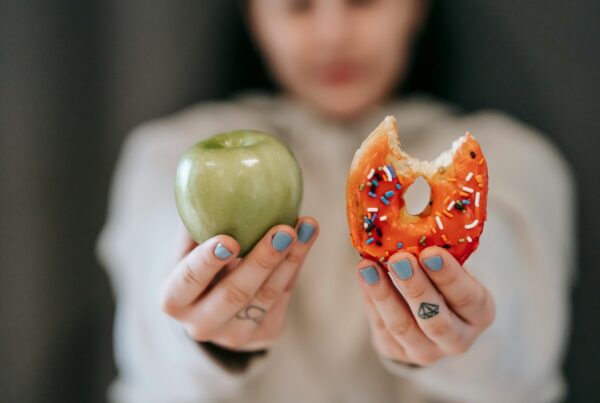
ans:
(437, 309)
(237, 303)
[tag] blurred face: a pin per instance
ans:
(338, 56)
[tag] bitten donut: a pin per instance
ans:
(381, 173)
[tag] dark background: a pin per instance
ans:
(75, 76)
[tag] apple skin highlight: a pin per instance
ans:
(239, 183)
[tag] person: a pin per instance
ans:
(302, 318)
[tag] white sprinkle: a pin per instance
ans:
(371, 172)
(365, 225)
(467, 189)
(469, 239)
(472, 225)
(388, 173)
(372, 209)
(469, 176)
(450, 206)
(477, 199)
(439, 222)
(383, 218)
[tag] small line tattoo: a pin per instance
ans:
(427, 310)
(251, 312)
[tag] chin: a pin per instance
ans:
(346, 106)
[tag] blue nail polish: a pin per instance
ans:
(305, 232)
(433, 263)
(403, 269)
(370, 275)
(281, 240)
(222, 252)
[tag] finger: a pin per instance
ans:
(271, 290)
(382, 340)
(394, 312)
(432, 314)
(195, 271)
(239, 287)
(465, 295)
(185, 243)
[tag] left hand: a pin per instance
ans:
(438, 308)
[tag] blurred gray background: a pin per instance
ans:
(75, 76)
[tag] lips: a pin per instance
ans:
(339, 73)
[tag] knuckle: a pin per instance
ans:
(426, 358)
(464, 300)
(399, 328)
(450, 279)
(264, 261)
(416, 290)
(460, 348)
(294, 258)
(381, 294)
(234, 341)
(440, 327)
(267, 293)
(233, 294)
(190, 276)
(489, 312)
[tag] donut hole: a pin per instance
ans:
(417, 196)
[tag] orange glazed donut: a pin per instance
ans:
(381, 173)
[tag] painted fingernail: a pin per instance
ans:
(369, 274)
(305, 232)
(403, 269)
(222, 252)
(281, 240)
(433, 263)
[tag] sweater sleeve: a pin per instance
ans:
(526, 258)
(155, 358)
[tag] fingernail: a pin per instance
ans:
(403, 269)
(281, 240)
(305, 232)
(369, 274)
(222, 252)
(433, 263)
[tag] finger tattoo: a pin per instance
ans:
(251, 312)
(428, 310)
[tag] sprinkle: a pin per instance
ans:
(466, 201)
(389, 193)
(480, 184)
(398, 186)
(437, 213)
(463, 194)
(433, 230)
(375, 182)
(478, 177)
(361, 187)
(377, 176)
(472, 225)
(373, 195)
(379, 244)
(388, 173)
(365, 225)
(373, 209)
(379, 168)
(444, 238)
(481, 161)
(391, 168)
(446, 246)
(450, 205)
(422, 240)
(373, 188)
(383, 218)
(446, 199)
(469, 176)
(472, 154)
(384, 200)
(469, 239)
(370, 227)
(447, 214)
(379, 233)
(374, 217)
(439, 222)
(461, 240)
(399, 245)
(467, 189)
(371, 172)
(370, 240)
(369, 183)
(477, 199)
(451, 179)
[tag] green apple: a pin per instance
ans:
(239, 183)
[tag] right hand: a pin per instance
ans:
(236, 303)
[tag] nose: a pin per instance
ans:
(332, 26)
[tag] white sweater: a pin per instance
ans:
(526, 258)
